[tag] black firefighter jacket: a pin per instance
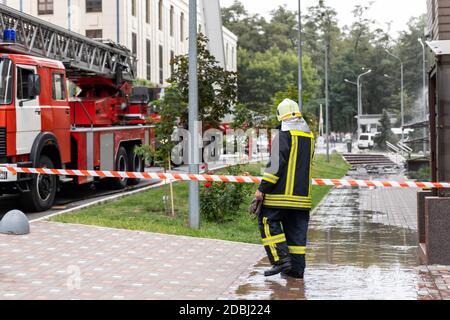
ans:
(287, 181)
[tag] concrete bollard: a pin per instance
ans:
(15, 222)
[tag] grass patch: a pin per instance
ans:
(146, 211)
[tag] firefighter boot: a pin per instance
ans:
(281, 266)
(292, 274)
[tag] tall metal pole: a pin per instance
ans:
(360, 106)
(118, 21)
(194, 198)
(300, 57)
(403, 105)
(424, 93)
(327, 106)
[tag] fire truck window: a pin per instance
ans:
(5, 81)
(58, 87)
(22, 84)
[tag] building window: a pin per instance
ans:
(58, 89)
(149, 60)
(45, 7)
(232, 58)
(147, 10)
(94, 34)
(227, 58)
(172, 57)
(93, 5)
(172, 11)
(134, 43)
(160, 15)
(161, 65)
(133, 8)
(182, 27)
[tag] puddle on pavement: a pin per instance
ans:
(349, 257)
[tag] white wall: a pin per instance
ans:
(230, 42)
(107, 21)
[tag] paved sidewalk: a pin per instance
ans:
(435, 284)
(58, 261)
(393, 207)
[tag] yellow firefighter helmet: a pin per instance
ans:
(288, 109)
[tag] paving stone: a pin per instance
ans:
(71, 271)
(396, 207)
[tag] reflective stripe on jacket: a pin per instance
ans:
(287, 181)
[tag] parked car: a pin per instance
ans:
(366, 141)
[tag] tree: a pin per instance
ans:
(217, 88)
(168, 111)
(359, 44)
(386, 132)
(248, 28)
(217, 97)
(244, 118)
(282, 30)
(262, 74)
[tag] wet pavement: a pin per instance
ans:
(353, 255)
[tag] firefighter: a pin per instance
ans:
(286, 194)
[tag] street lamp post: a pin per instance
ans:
(402, 92)
(424, 93)
(327, 103)
(194, 198)
(300, 57)
(359, 89)
(360, 111)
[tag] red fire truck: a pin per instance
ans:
(42, 127)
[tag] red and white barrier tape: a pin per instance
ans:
(228, 179)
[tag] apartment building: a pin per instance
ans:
(155, 30)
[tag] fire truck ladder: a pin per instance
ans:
(81, 55)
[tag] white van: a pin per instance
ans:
(366, 141)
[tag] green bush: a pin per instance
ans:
(424, 174)
(220, 202)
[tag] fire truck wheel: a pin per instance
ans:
(121, 165)
(136, 164)
(42, 189)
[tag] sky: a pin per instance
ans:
(384, 11)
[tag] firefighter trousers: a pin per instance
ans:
(284, 235)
